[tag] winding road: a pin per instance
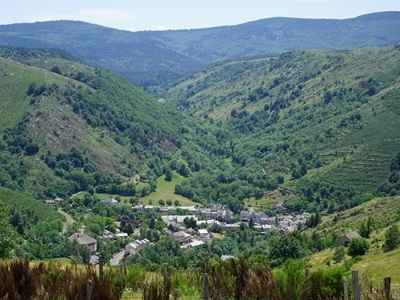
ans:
(68, 217)
(114, 261)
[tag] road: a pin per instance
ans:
(68, 217)
(114, 261)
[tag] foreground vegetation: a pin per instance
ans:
(232, 279)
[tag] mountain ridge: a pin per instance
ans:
(176, 53)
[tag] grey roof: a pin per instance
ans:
(110, 200)
(82, 239)
(353, 235)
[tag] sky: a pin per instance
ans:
(138, 15)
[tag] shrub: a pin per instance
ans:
(392, 238)
(358, 246)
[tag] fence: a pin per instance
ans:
(164, 292)
(227, 280)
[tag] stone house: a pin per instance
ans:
(85, 240)
(346, 239)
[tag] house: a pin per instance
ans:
(216, 212)
(193, 244)
(181, 236)
(277, 207)
(177, 219)
(346, 239)
(110, 201)
(225, 257)
(122, 235)
(135, 246)
(246, 215)
(264, 228)
(85, 240)
(108, 235)
(203, 233)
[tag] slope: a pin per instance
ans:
(324, 122)
(69, 127)
(376, 264)
(153, 57)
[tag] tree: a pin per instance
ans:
(339, 254)
(366, 228)
(169, 202)
(56, 70)
(190, 223)
(358, 246)
(168, 175)
(8, 236)
(251, 223)
(161, 202)
(32, 149)
(392, 238)
(129, 229)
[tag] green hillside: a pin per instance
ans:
(376, 264)
(69, 127)
(38, 210)
(325, 121)
(316, 129)
(154, 57)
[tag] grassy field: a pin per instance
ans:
(379, 265)
(165, 191)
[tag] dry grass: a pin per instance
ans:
(19, 280)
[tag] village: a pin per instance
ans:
(203, 217)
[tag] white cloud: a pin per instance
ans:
(160, 28)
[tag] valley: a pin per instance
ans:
(268, 157)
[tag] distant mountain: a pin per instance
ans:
(154, 57)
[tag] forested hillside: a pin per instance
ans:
(318, 125)
(67, 127)
(323, 124)
(156, 57)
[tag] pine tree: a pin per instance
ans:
(392, 238)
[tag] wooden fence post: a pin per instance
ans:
(205, 286)
(356, 285)
(122, 277)
(386, 285)
(345, 288)
(89, 288)
(101, 270)
(165, 275)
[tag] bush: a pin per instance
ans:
(32, 149)
(358, 246)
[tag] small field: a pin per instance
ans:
(377, 266)
(165, 191)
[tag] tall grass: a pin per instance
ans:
(231, 279)
(20, 280)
